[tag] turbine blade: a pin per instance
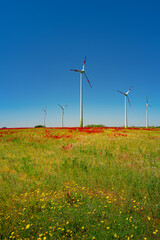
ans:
(128, 100)
(146, 100)
(65, 105)
(129, 90)
(60, 106)
(121, 92)
(75, 70)
(149, 105)
(84, 63)
(88, 80)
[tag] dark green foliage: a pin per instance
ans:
(95, 125)
(39, 126)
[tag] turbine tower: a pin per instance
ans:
(81, 90)
(126, 97)
(147, 104)
(62, 113)
(44, 114)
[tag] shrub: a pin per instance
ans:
(95, 125)
(39, 126)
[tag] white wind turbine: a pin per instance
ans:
(81, 90)
(126, 97)
(147, 104)
(44, 114)
(62, 113)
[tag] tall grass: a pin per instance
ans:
(79, 183)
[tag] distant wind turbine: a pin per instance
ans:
(44, 114)
(147, 104)
(81, 90)
(62, 113)
(126, 97)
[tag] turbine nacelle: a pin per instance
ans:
(45, 109)
(62, 106)
(82, 72)
(126, 94)
(147, 104)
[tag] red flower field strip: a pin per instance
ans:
(49, 135)
(91, 130)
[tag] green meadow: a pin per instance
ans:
(80, 183)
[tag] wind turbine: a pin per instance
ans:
(81, 90)
(44, 114)
(62, 113)
(147, 104)
(126, 97)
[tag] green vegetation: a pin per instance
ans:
(84, 183)
(39, 126)
(95, 125)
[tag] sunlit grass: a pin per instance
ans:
(92, 183)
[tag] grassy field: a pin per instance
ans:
(84, 183)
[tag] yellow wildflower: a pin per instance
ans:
(115, 235)
(27, 226)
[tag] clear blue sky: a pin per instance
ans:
(40, 41)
